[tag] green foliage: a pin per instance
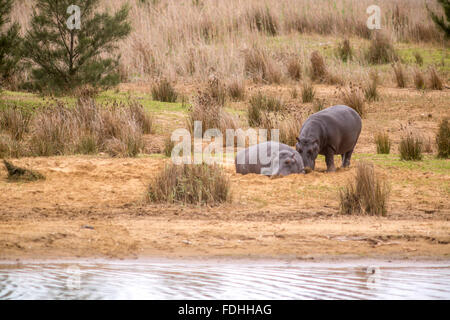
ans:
(67, 59)
(443, 24)
(9, 43)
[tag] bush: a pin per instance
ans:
(318, 67)
(264, 21)
(163, 91)
(289, 130)
(410, 147)
(371, 91)
(259, 105)
(66, 59)
(443, 139)
(419, 81)
(353, 97)
(260, 66)
(236, 90)
(435, 80)
(294, 68)
(308, 92)
(168, 146)
(217, 90)
(381, 50)
(345, 51)
(85, 128)
(418, 57)
(15, 121)
(400, 76)
(190, 184)
(206, 109)
(368, 194)
(383, 143)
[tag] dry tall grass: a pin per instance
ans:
(411, 147)
(443, 139)
(187, 40)
(85, 128)
(190, 184)
(367, 194)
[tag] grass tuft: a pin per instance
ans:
(190, 184)
(367, 194)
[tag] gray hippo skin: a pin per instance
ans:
(334, 130)
(269, 158)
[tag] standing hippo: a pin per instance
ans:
(334, 130)
(269, 158)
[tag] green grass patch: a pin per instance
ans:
(429, 163)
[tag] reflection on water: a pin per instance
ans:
(224, 280)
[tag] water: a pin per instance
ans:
(234, 279)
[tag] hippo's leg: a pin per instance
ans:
(329, 159)
(346, 159)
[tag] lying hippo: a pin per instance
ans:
(269, 158)
(334, 130)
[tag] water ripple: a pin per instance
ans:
(231, 280)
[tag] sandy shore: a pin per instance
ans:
(93, 207)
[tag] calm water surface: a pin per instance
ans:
(181, 279)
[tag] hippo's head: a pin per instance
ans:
(308, 149)
(289, 163)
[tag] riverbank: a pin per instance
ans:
(94, 207)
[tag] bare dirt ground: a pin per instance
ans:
(94, 206)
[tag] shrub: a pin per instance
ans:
(344, 50)
(381, 50)
(400, 75)
(289, 130)
(236, 90)
(419, 59)
(15, 120)
(88, 128)
(142, 118)
(367, 194)
(294, 68)
(260, 104)
(163, 91)
(435, 81)
(264, 21)
(66, 59)
(217, 90)
(20, 174)
(308, 92)
(419, 80)
(318, 67)
(443, 139)
(410, 147)
(383, 143)
(168, 146)
(206, 109)
(371, 89)
(260, 66)
(190, 184)
(353, 97)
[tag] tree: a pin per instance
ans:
(444, 25)
(66, 57)
(9, 43)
